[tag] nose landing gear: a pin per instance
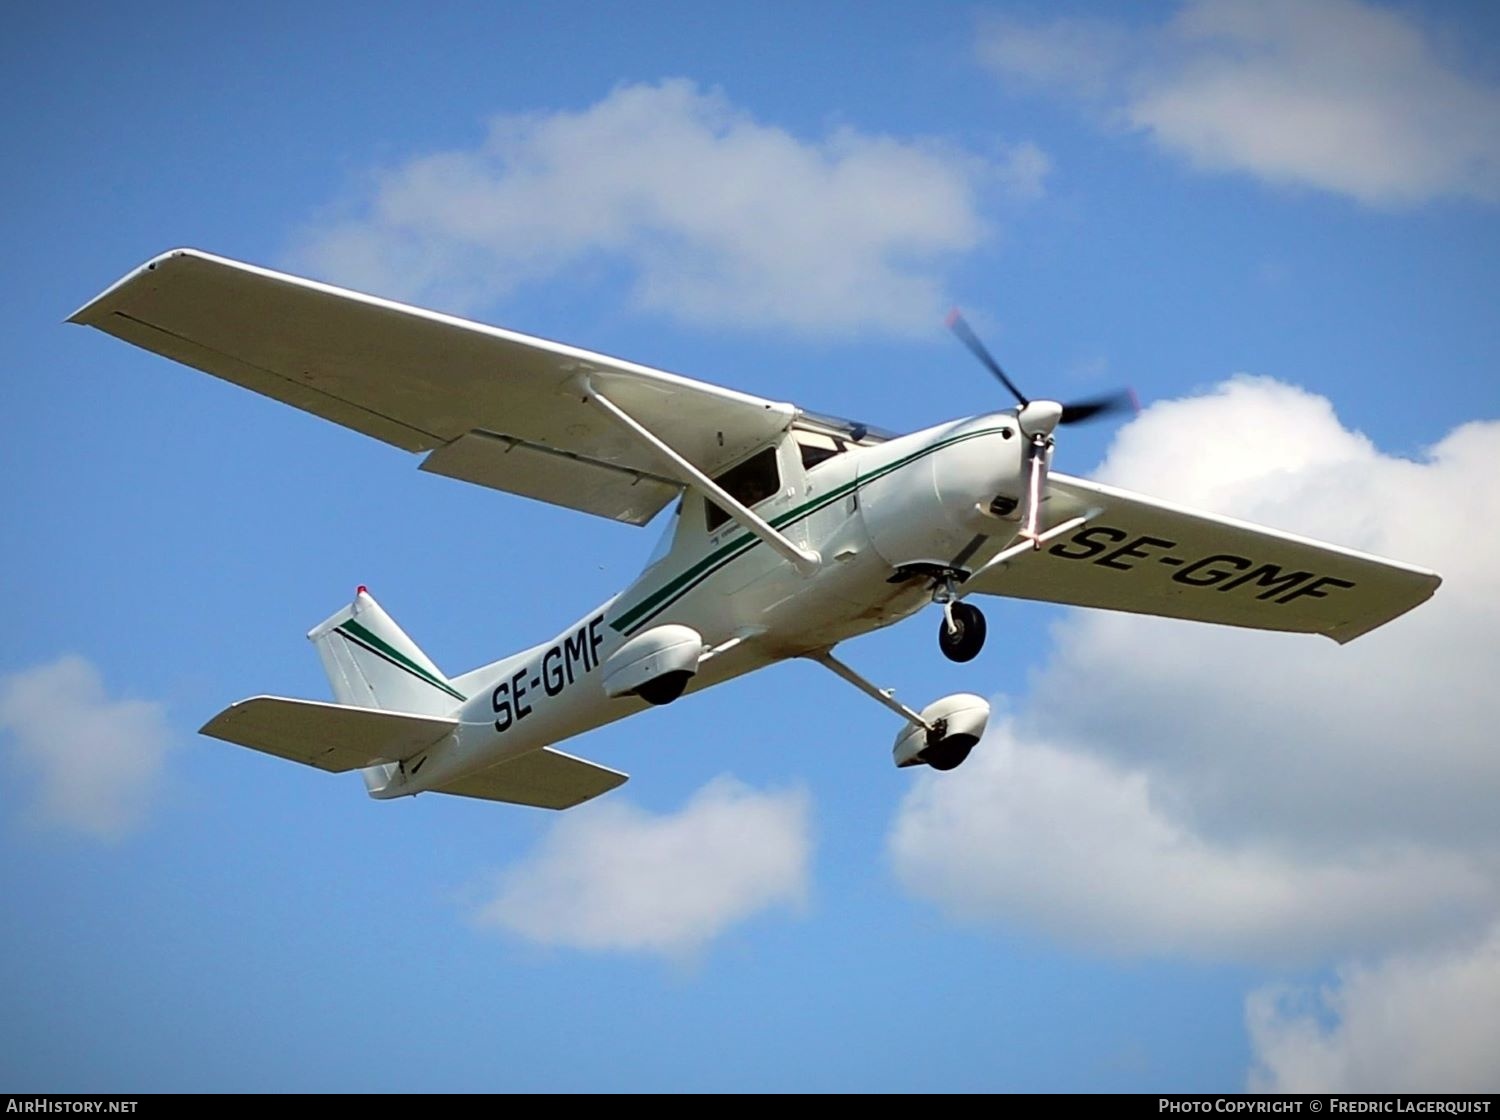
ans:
(961, 634)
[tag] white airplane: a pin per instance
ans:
(792, 532)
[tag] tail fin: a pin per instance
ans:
(371, 663)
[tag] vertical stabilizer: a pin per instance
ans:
(371, 663)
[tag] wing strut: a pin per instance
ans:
(885, 696)
(804, 560)
(1030, 543)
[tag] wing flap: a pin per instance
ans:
(422, 380)
(558, 477)
(331, 737)
(1147, 557)
(546, 779)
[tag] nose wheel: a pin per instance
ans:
(961, 633)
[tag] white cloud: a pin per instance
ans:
(1085, 57)
(96, 762)
(1023, 169)
(1340, 95)
(1389, 739)
(717, 217)
(614, 877)
(1414, 1023)
(1035, 834)
(1169, 787)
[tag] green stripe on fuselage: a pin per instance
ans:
(664, 596)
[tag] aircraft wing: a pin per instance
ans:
(487, 405)
(1148, 557)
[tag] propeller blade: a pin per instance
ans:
(1092, 408)
(959, 326)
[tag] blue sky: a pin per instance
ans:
(1183, 859)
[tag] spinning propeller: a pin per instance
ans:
(1038, 419)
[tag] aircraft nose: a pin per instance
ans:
(1039, 418)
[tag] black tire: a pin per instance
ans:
(968, 640)
(949, 753)
(665, 688)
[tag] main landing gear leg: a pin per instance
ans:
(882, 696)
(961, 634)
(940, 736)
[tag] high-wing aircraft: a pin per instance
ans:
(792, 532)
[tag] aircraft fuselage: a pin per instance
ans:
(867, 512)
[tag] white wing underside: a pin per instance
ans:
(487, 405)
(1144, 556)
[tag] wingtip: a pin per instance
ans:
(78, 317)
(88, 314)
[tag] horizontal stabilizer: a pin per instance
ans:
(328, 736)
(547, 779)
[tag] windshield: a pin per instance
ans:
(668, 534)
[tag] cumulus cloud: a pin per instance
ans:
(1341, 95)
(1170, 787)
(1389, 739)
(614, 877)
(96, 762)
(1048, 837)
(717, 217)
(1084, 57)
(1414, 1023)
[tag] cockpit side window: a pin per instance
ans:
(754, 480)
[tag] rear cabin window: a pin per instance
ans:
(754, 480)
(817, 448)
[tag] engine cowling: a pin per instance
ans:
(655, 665)
(928, 510)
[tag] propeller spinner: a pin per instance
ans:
(1038, 419)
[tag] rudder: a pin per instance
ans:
(371, 663)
